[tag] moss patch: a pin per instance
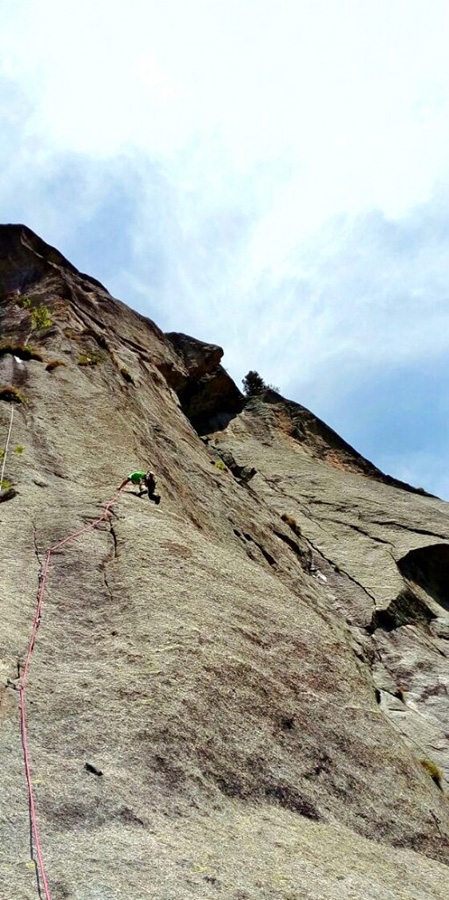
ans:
(25, 302)
(89, 359)
(434, 771)
(22, 351)
(292, 523)
(11, 394)
(53, 364)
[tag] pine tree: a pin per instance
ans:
(253, 384)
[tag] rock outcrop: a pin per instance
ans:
(209, 397)
(242, 692)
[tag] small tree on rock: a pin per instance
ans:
(253, 384)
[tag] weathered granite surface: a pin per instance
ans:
(258, 698)
(381, 554)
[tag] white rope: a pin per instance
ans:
(7, 444)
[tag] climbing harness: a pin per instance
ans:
(39, 863)
(7, 444)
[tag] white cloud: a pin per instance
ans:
(360, 91)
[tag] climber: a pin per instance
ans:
(145, 479)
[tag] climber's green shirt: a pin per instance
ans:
(135, 477)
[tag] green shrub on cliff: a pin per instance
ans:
(40, 318)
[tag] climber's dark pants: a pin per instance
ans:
(154, 497)
(150, 486)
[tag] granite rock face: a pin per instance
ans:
(381, 551)
(233, 693)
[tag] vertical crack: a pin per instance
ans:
(107, 586)
(109, 557)
(114, 539)
(36, 550)
(437, 823)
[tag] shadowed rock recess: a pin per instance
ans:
(239, 693)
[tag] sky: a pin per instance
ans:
(268, 175)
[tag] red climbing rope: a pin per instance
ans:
(24, 675)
